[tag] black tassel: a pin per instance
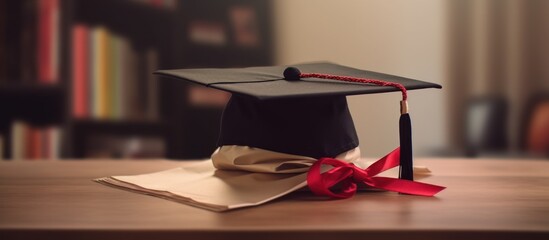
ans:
(406, 158)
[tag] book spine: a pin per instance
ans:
(54, 137)
(28, 41)
(117, 77)
(31, 144)
(43, 41)
(51, 143)
(102, 73)
(131, 84)
(18, 140)
(92, 72)
(122, 62)
(80, 70)
(112, 68)
(141, 79)
(48, 41)
(152, 84)
(56, 40)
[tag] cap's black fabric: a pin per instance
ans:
(269, 83)
(315, 127)
(307, 116)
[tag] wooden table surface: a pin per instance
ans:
(485, 199)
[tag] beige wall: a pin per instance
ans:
(401, 37)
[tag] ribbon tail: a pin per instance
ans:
(405, 186)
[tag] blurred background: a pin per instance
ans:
(76, 82)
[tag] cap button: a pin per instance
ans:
(292, 74)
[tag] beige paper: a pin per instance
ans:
(203, 185)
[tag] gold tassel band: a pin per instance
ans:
(403, 107)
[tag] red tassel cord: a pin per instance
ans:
(358, 80)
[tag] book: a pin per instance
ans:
(142, 84)
(34, 143)
(52, 143)
(28, 33)
(151, 57)
(18, 139)
(115, 77)
(129, 89)
(98, 67)
(102, 68)
(48, 41)
(80, 71)
(118, 78)
(31, 142)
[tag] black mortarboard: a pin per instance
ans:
(301, 109)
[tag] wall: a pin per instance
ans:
(497, 48)
(400, 37)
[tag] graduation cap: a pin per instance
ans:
(300, 109)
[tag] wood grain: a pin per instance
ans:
(485, 199)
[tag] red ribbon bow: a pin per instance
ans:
(348, 175)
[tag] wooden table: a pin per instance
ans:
(485, 199)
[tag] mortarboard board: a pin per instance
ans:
(269, 83)
(300, 110)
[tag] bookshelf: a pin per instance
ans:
(96, 89)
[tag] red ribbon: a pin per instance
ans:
(348, 175)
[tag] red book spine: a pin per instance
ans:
(80, 70)
(33, 146)
(47, 40)
(37, 138)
